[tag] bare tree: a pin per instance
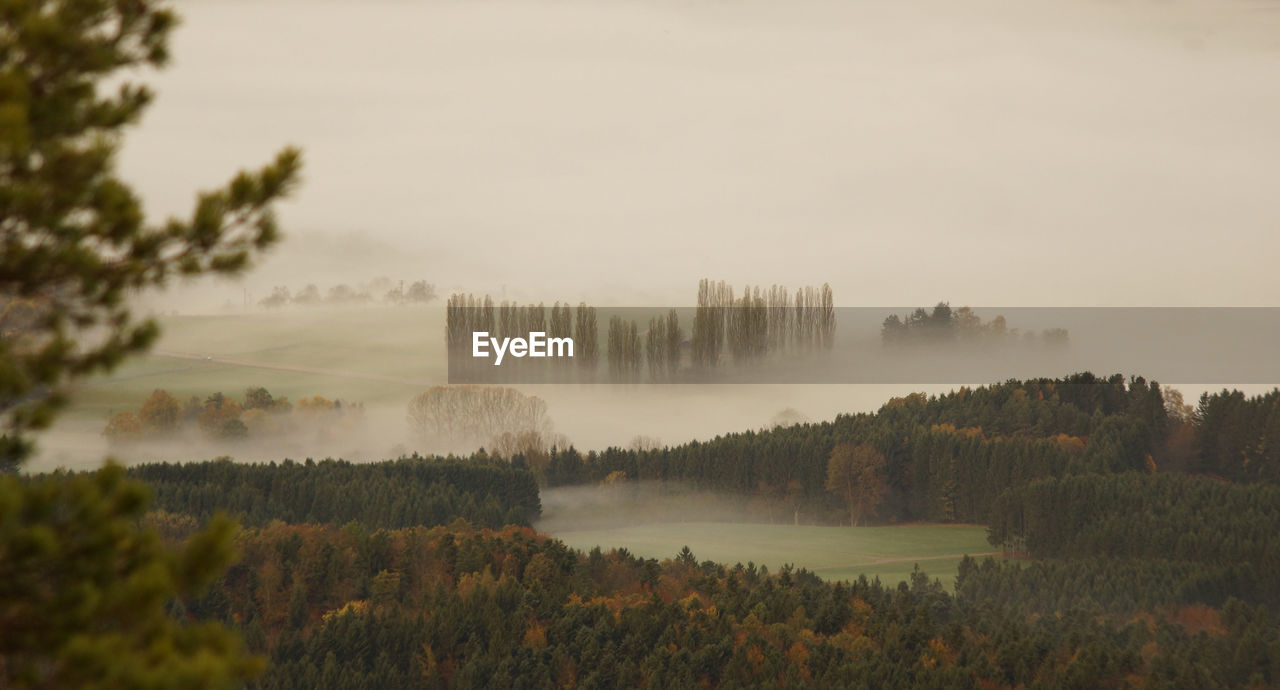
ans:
(474, 414)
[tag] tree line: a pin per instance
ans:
(725, 329)
(466, 314)
(219, 417)
(1140, 576)
(1164, 516)
(381, 290)
(401, 493)
(945, 458)
(758, 324)
(943, 324)
(1237, 436)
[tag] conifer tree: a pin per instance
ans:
(82, 590)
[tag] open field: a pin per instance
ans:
(380, 356)
(373, 355)
(834, 553)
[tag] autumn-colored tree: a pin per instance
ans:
(161, 413)
(123, 427)
(535, 446)
(856, 473)
(258, 422)
(258, 398)
(315, 405)
(218, 411)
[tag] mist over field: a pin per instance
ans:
(373, 360)
(982, 151)
(1079, 153)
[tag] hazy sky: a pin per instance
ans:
(1067, 152)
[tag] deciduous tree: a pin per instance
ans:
(856, 473)
(161, 413)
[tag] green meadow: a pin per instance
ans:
(834, 553)
(374, 355)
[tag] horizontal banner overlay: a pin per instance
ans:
(817, 344)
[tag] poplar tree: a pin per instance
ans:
(561, 326)
(586, 338)
(674, 338)
(624, 350)
(655, 347)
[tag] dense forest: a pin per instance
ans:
(458, 607)
(1139, 533)
(1132, 541)
(402, 493)
(946, 457)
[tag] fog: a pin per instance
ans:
(1042, 152)
(569, 508)
(1050, 152)
(590, 417)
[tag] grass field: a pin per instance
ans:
(834, 553)
(372, 355)
(380, 356)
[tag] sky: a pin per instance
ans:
(987, 152)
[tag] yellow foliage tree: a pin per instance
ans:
(856, 473)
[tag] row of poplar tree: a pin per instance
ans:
(725, 329)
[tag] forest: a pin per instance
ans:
(386, 495)
(946, 457)
(346, 607)
(1138, 534)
